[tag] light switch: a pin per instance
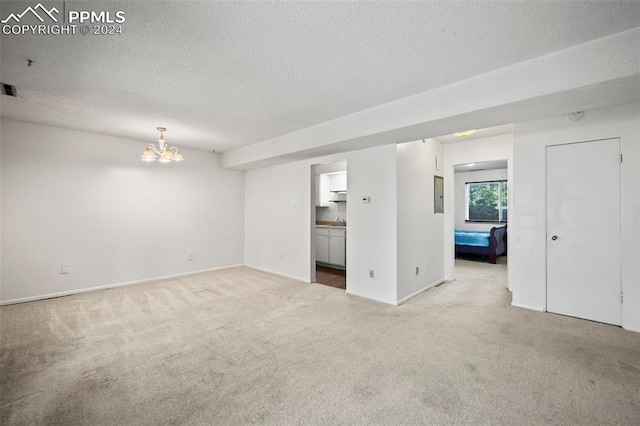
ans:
(64, 268)
(366, 199)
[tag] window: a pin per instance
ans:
(486, 201)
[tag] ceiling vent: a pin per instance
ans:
(9, 90)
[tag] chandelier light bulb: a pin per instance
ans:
(148, 155)
(177, 156)
(167, 156)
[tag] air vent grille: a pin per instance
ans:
(9, 90)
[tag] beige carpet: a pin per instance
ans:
(238, 346)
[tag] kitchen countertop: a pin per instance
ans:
(330, 224)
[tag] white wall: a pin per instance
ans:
(337, 166)
(1, 126)
(527, 224)
(461, 178)
(391, 235)
(420, 230)
(86, 200)
(371, 228)
(278, 219)
(278, 236)
(335, 210)
(473, 151)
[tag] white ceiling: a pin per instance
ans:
(221, 75)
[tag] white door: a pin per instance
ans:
(583, 230)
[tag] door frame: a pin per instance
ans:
(313, 218)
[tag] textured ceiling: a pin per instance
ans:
(221, 75)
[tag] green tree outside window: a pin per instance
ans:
(487, 201)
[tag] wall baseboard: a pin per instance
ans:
(108, 286)
(353, 293)
(277, 273)
(531, 308)
(516, 305)
(429, 286)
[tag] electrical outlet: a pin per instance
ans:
(371, 274)
(281, 256)
(189, 256)
(64, 268)
(426, 267)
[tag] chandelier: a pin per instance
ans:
(167, 153)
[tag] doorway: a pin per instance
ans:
(329, 224)
(481, 211)
(583, 230)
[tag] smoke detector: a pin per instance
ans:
(575, 116)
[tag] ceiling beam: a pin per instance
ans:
(599, 73)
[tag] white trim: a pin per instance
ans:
(108, 286)
(630, 328)
(411, 296)
(375, 299)
(532, 308)
(278, 273)
(515, 305)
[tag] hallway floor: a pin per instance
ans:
(332, 277)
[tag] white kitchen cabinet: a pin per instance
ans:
(322, 190)
(337, 250)
(331, 246)
(322, 245)
(338, 182)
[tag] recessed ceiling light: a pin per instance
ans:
(471, 164)
(465, 133)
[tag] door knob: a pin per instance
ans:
(555, 237)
